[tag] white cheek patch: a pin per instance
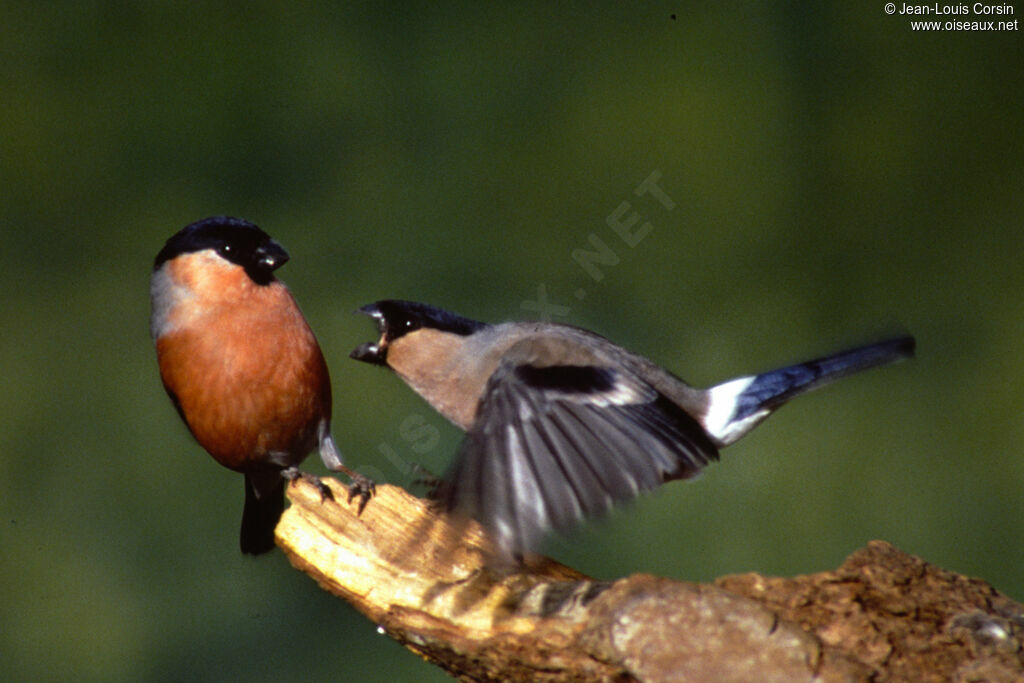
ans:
(176, 287)
(718, 421)
(167, 296)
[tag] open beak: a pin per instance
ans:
(370, 352)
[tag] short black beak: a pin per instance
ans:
(369, 352)
(271, 255)
(373, 310)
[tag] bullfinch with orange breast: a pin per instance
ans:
(242, 365)
(561, 423)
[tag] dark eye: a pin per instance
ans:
(224, 250)
(400, 324)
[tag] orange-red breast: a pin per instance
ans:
(242, 365)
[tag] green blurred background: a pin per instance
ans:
(836, 177)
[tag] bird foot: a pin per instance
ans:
(436, 486)
(294, 473)
(360, 486)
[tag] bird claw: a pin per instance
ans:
(425, 477)
(437, 487)
(361, 487)
(294, 473)
(324, 489)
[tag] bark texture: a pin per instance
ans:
(434, 584)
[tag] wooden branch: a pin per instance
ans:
(424, 580)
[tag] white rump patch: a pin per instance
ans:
(718, 421)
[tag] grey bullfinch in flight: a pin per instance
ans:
(562, 423)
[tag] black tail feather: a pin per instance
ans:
(771, 389)
(259, 518)
(737, 406)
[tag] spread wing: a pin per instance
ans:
(552, 445)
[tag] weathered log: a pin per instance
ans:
(433, 584)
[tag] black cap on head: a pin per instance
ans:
(396, 318)
(234, 239)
